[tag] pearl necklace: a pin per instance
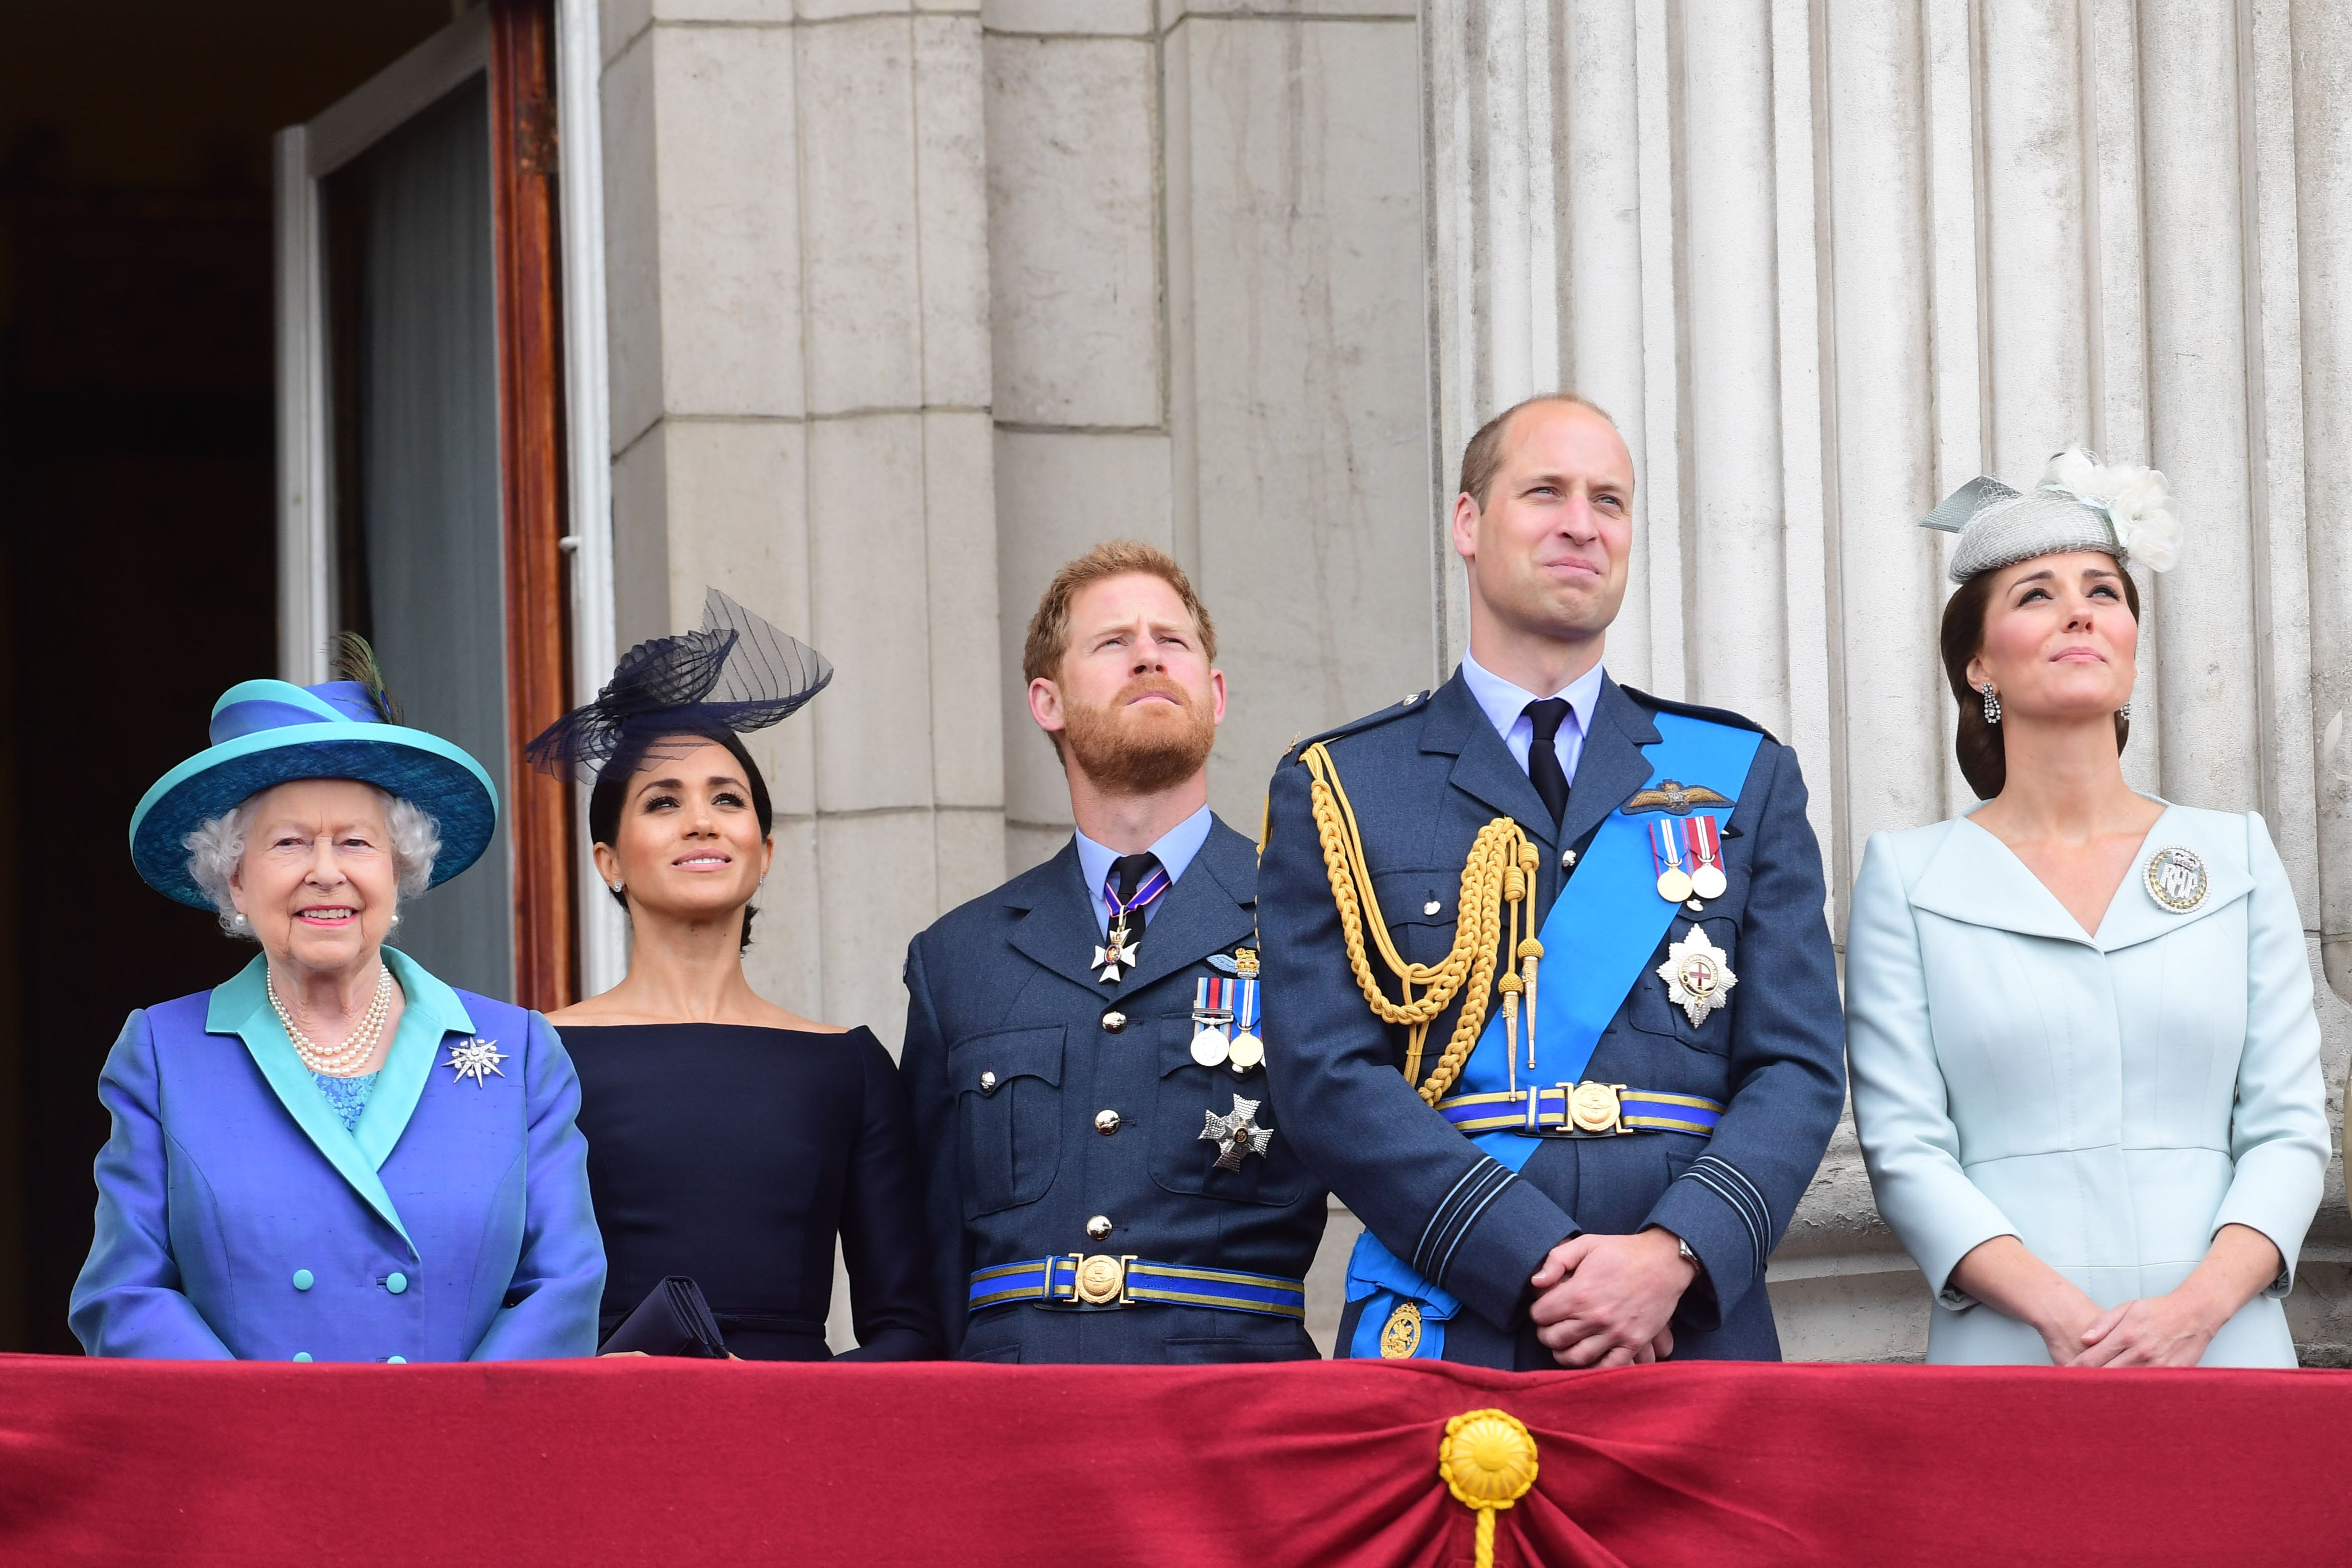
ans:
(344, 1059)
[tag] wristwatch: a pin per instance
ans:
(1682, 1249)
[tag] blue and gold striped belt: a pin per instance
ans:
(1101, 1279)
(1587, 1110)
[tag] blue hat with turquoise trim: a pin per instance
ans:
(268, 732)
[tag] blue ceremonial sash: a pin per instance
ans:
(1597, 943)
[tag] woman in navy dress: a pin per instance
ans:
(729, 1139)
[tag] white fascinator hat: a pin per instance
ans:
(2081, 504)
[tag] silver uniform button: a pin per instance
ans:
(1098, 1226)
(1114, 1021)
(987, 1081)
(1566, 860)
(1105, 1123)
(1433, 906)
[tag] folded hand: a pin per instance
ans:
(1605, 1299)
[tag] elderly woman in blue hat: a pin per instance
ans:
(332, 1156)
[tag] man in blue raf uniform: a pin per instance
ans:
(1550, 997)
(1105, 1178)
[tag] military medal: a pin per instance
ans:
(1705, 839)
(1213, 1015)
(1115, 954)
(1666, 848)
(1697, 974)
(2176, 879)
(1236, 1133)
(1401, 1336)
(1248, 1051)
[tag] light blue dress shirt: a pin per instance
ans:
(1505, 706)
(1175, 849)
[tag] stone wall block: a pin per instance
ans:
(1303, 338)
(968, 848)
(959, 575)
(785, 963)
(633, 315)
(1057, 496)
(729, 219)
(869, 611)
(864, 345)
(877, 885)
(641, 598)
(1107, 18)
(951, 214)
(738, 492)
(1073, 248)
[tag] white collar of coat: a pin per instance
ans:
(1972, 876)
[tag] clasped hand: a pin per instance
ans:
(2170, 1330)
(1604, 1301)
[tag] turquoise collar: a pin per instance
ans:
(241, 1006)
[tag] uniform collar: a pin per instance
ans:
(1503, 702)
(241, 1006)
(1175, 850)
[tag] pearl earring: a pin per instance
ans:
(1992, 704)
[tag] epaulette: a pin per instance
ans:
(1692, 710)
(1412, 703)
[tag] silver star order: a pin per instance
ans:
(474, 1058)
(1236, 1133)
(1697, 974)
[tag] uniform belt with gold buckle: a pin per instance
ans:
(1078, 1282)
(1586, 1110)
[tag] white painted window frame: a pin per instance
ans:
(306, 154)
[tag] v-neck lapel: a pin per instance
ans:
(1612, 766)
(1058, 931)
(241, 1006)
(1975, 878)
(430, 1012)
(1484, 768)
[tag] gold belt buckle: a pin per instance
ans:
(1594, 1107)
(1100, 1279)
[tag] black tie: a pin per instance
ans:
(1129, 871)
(1543, 754)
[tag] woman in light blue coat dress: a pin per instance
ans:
(2084, 1061)
(332, 1155)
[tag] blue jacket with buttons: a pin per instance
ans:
(1423, 777)
(1013, 1049)
(238, 1218)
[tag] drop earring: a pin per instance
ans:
(2123, 712)
(1992, 704)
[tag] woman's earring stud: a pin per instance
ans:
(1992, 704)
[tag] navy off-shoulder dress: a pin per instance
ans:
(735, 1155)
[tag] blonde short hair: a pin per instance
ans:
(1049, 630)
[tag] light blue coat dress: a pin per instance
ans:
(238, 1218)
(2111, 1098)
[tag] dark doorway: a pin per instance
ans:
(137, 519)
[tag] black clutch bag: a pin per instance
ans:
(673, 1321)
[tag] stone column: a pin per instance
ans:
(798, 285)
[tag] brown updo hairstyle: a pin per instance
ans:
(1977, 744)
(605, 801)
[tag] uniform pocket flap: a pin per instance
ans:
(986, 1063)
(1424, 897)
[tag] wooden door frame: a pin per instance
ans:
(531, 463)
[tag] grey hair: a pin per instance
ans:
(217, 847)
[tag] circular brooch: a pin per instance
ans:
(2176, 879)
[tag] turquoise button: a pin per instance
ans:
(395, 1361)
(301, 1356)
(303, 1279)
(396, 1283)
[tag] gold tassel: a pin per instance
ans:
(1488, 1461)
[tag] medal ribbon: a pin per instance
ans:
(1610, 918)
(1665, 848)
(1244, 1006)
(1146, 896)
(1705, 837)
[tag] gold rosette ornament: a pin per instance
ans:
(1488, 1462)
